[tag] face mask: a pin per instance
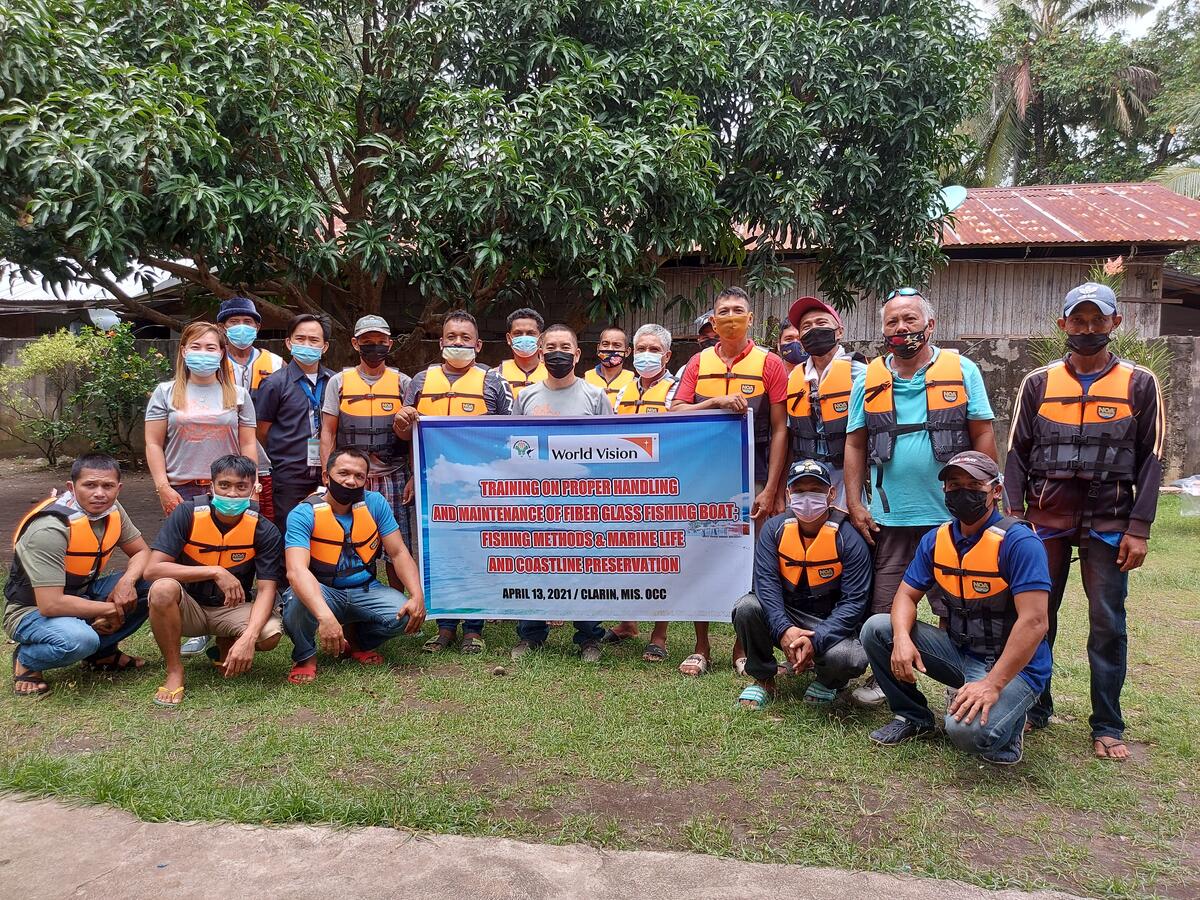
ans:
(202, 363)
(809, 506)
(1087, 344)
(647, 364)
(346, 495)
(906, 345)
(525, 345)
(306, 355)
(705, 343)
(966, 505)
(559, 363)
(793, 352)
(241, 336)
(230, 506)
(611, 358)
(72, 502)
(733, 327)
(458, 356)
(819, 341)
(373, 354)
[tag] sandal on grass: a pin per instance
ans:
(438, 642)
(303, 672)
(170, 698)
(694, 666)
(471, 644)
(655, 653)
(28, 678)
(819, 693)
(366, 657)
(739, 666)
(114, 662)
(1103, 747)
(753, 697)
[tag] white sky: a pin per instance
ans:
(1132, 27)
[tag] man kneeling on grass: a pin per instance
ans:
(203, 566)
(812, 586)
(332, 545)
(993, 653)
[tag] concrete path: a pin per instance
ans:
(49, 850)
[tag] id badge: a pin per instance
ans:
(314, 452)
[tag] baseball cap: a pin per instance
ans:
(238, 306)
(806, 304)
(976, 464)
(705, 319)
(809, 468)
(371, 323)
(1091, 292)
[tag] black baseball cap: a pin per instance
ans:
(809, 468)
(977, 465)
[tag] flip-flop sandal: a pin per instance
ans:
(437, 643)
(739, 666)
(755, 694)
(28, 679)
(472, 644)
(123, 663)
(163, 697)
(1108, 743)
(611, 637)
(694, 666)
(655, 653)
(308, 667)
(366, 657)
(819, 694)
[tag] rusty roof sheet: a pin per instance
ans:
(1073, 214)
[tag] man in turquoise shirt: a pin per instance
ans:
(912, 411)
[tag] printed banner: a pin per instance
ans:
(621, 517)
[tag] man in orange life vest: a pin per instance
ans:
(916, 407)
(361, 409)
(610, 374)
(818, 403)
(457, 386)
(812, 586)
(59, 609)
(204, 563)
(524, 337)
(992, 652)
(1085, 465)
(333, 542)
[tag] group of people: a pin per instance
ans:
(876, 484)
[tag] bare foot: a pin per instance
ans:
(32, 682)
(304, 672)
(1110, 748)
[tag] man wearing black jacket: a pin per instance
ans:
(812, 587)
(1084, 468)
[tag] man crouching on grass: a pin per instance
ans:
(996, 584)
(204, 563)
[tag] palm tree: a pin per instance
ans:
(1012, 125)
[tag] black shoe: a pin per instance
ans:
(898, 731)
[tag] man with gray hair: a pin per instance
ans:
(914, 409)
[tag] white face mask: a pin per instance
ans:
(809, 506)
(647, 364)
(458, 355)
(69, 500)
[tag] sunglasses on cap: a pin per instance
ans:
(903, 292)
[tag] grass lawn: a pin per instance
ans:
(630, 755)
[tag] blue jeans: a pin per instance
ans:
(1106, 587)
(374, 608)
(945, 663)
(469, 626)
(537, 632)
(51, 642)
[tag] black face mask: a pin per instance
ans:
(346, 495)
(373, 354)
(906, 345)
(559, 363)
(966, 505)
(793, 352)
(819, 341)
(1087, 344)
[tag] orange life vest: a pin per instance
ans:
(86, 555)
(264, 363)
(329, 539)
(828, 402)
(462, 398)
(1086, 435)
(366, 413)
(518, 379)
(817, 566)
(980, 605)
(634, 400)
(610, 388)
(207, 545)
(744, 379)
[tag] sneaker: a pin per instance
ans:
(898, 731)
(523, 648)
(870, 694)
(590, 652)
(195, 646)
(819, 694)
(1010, 755)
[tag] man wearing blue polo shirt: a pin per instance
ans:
(996, 588)
(910, 413)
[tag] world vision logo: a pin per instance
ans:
(1106, 412)
(603, 448)
(981, 587)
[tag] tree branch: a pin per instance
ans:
(135, 306)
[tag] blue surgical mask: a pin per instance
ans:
(306, 355)
(647, 364)
(241, 336)
(201, 362)
(525, 345)
(230, 506)
(793, 352)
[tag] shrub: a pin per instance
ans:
(43, 419)
(110, 402)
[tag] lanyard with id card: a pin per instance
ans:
(315, 399)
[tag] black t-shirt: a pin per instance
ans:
(268, 551)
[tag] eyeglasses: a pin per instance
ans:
(903, 292)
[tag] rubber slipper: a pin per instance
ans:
(28, 679)
(755, 694)
(472, 644)
(437, 643)
(122, 663)
(655, 653)
(1107, 744)
(308, 667)
(168, 700)
(696, 662)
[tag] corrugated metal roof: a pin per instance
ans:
(17, 290)
(1141, 213)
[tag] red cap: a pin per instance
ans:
(806, 304)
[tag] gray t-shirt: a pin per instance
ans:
(200, 432)
(578, 399)
(333, 403)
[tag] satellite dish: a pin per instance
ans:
(949, 198)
